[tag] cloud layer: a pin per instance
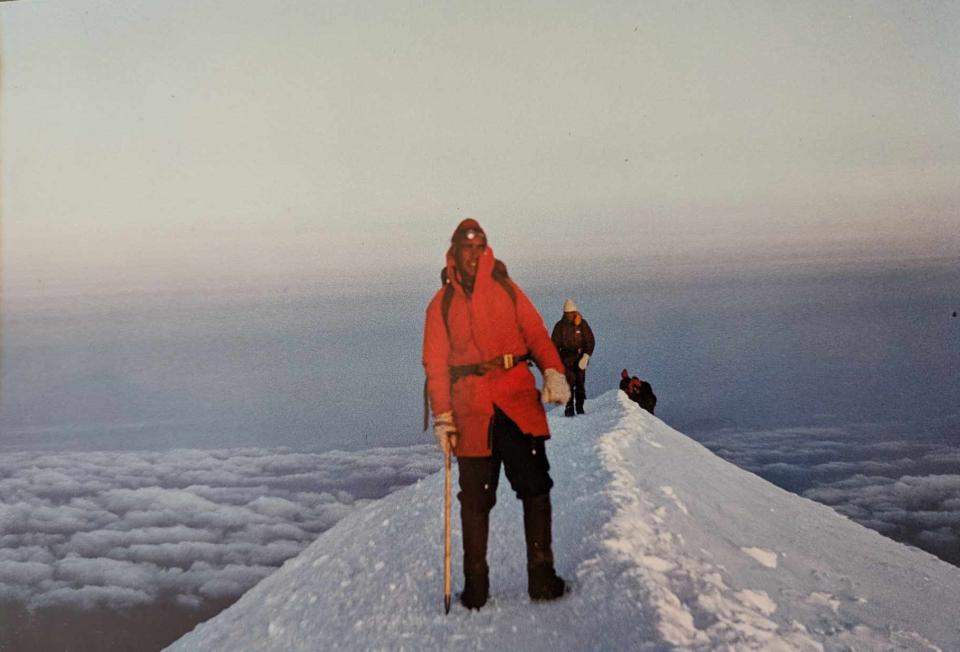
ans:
(905, 487)
(126, 529)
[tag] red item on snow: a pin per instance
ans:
(638, 391)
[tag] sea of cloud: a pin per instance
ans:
(125, 529)
(904, 486)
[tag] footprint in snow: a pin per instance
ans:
(761, 556)
(657, 563)
(669, 493)
(824, 600)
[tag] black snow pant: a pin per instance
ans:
(524, 459)
(576, 377)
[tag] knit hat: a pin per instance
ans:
(467, 231)
(624, 374)
(569, 306)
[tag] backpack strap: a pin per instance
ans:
(426, 406)
(447, 298)
(500, 275)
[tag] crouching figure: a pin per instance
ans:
(638, 391)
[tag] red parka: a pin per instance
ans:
(482, 327)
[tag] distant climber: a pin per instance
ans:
(639, 391)
(480, 331)
(574, 341)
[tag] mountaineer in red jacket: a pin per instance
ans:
(480, 331)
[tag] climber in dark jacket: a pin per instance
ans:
(574, 341)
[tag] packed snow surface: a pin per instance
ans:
(666, 546)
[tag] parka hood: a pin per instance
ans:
(484, 267)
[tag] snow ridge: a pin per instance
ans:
(666, 546)
(693, 605)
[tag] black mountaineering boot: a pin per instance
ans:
(476, 574)
(543, 583)
(568, 412)
(476, 588)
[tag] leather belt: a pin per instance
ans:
(506, 361)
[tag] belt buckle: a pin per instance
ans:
(507, 361)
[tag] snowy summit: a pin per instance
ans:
(664, 544)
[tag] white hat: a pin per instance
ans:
(569, 306)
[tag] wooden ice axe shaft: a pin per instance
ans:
(447, 489)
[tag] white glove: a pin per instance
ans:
(584, 361)
(555, 387)
(445, 432)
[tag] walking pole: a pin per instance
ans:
(446, 532)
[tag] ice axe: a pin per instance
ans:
(447, 488)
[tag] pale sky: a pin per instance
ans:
(150, 142)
